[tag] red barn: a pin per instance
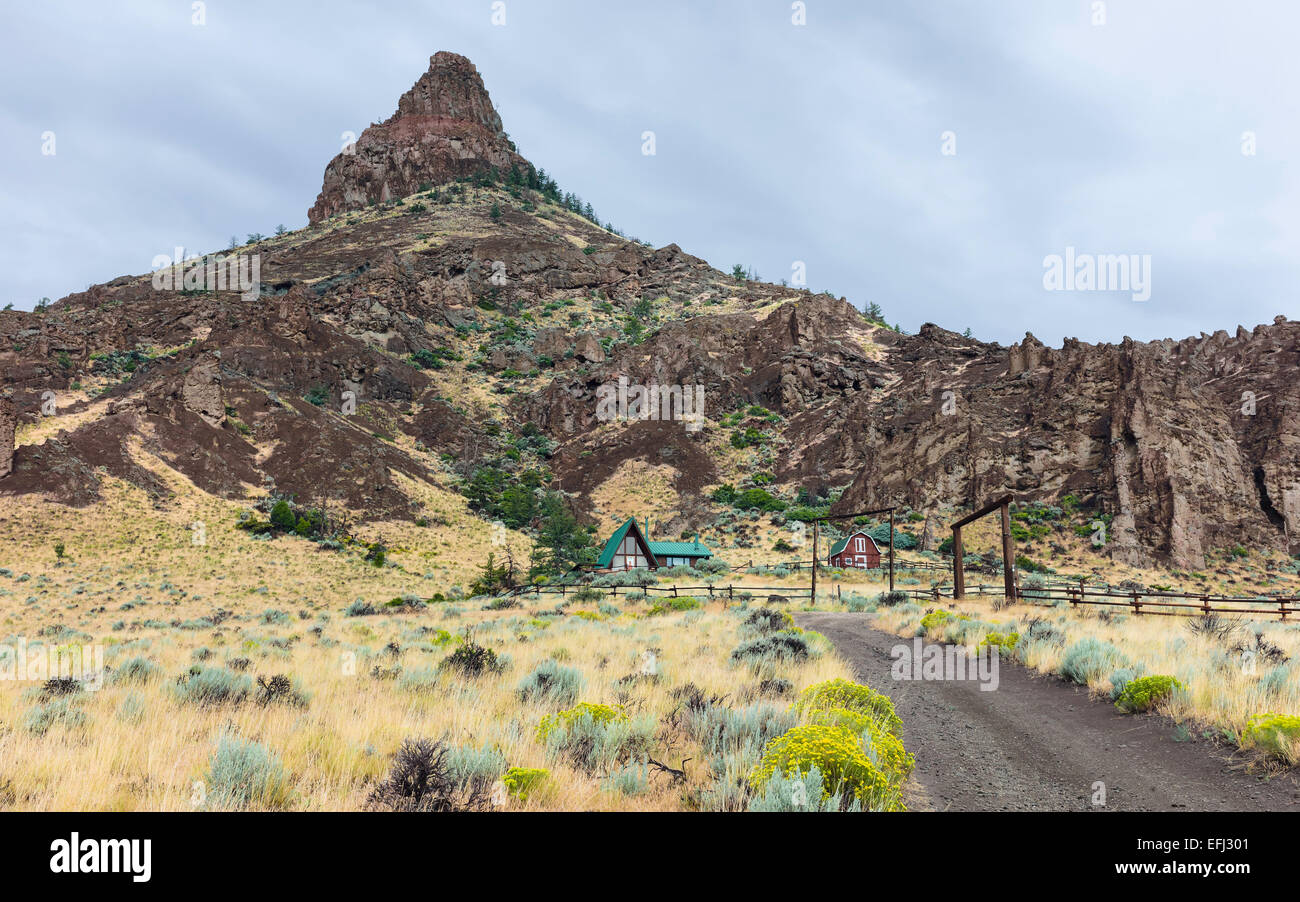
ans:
(855, 550)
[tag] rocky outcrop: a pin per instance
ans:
(445, 127)
(8, 425)
(201, 391)
(1189, 445)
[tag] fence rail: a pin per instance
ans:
(1161, 604)
(729, 591)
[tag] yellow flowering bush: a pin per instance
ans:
(842, 693)
(1003, 642)
(881, 746)
(520, 781)
(935, 618)
(1277, 734)
(1144, 693)
(837, 754)
(563, 720)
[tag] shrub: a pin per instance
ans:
(562, 720)
(883, 747)
(521, 782)
(1005, 643)
(1277, 734)
(836, 753)
(211, 686)
(473, 660)
(799, 792)
(767, 620)
(467, 765)
(858, 603)
(420, 779)
(934, 619)
(682, 603)
(359, 608)
(280, 689)
(631, 780)
(551, 682)
(721, 730)
(1144, 693)
(59, 712)
(245, 774)
(783, 646)
(841, 693)
(420, 680)
(282, 515)
(596, 737)
(890, 599)
(1089, 659)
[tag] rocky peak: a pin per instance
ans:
(445, 128)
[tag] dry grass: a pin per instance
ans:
(133, 582)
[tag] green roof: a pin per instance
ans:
(680, 549)
(607, 553)
(839, 546)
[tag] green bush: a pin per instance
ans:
(473, 660)
(1144, 693)
(681, 603)
(1276, 734)
(58, 712)
(1089, 659)
(890, 599)
(596, 737)
(136, 670)
(550, 682)
(786, 645)
(245, 774)
(213, 686)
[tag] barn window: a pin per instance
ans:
(862, 543)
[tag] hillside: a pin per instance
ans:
(472, 313)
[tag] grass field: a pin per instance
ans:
(191, 715)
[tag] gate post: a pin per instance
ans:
(958, 571)
(1008, 564)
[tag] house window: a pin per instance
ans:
(629, 556)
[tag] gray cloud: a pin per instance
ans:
(775, 143)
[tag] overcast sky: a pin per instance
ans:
(775, 142)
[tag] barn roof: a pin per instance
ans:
(607, 553)
(843, 543)
(680, 549)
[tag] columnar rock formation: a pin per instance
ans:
(445, 127)
(7, 428)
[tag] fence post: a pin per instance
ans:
(731, 593)
(1137, 607)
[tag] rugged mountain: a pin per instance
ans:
(473, 318)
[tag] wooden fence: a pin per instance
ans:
(729, 592)
(1165, 604)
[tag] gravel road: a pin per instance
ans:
(1037, 743)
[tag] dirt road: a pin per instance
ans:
(1037, 743)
